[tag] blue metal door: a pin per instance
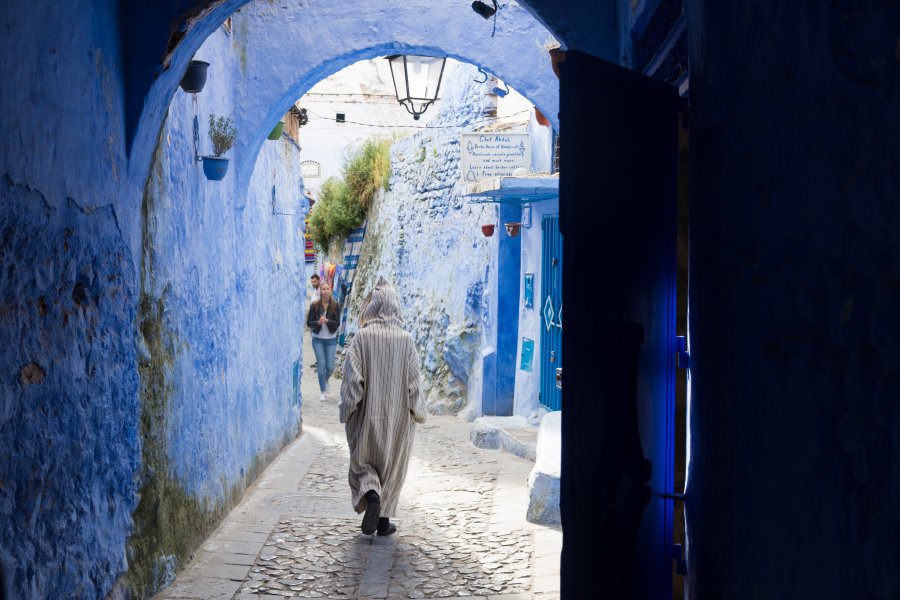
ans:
(551, 307)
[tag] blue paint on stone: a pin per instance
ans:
(509, 260)
(489, 382)
(460, 352)
(474, 294)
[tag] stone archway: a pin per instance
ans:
(286, 49)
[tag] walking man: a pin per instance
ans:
(380, 404)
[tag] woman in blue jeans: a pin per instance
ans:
(323, 319)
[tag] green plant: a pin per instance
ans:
(335, 214)
(367, 170)
(344, 203)
(222, 133)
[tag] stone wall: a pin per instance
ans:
(426, 239)
(221, 318)
(69, 441)
(147, 337)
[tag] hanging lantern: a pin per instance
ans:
(417, 80)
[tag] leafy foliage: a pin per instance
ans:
(368, 169)
(335, 214)
(344, 202)
(222, 133)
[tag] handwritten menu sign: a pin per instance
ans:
(486, 155)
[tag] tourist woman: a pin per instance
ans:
(323, 319)
(380, 403)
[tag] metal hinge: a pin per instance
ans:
(682, 356)
(678, 557)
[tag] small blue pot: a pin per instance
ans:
(215, 168)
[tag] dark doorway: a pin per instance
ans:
(618, 221)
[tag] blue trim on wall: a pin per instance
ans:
(509, 263)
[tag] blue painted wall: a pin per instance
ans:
(508, 275)
(148, 336)
(69, 404)
(221, 315)
(426, 238)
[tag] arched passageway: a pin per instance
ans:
(278, 63)
(215, 254)
(795, 149)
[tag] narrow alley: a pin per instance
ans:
(461, 525)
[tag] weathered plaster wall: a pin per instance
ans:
(794, 476)
(427, 240)
(69, 443)
(221, 316)
(92, 416)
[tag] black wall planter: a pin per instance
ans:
(195, 77)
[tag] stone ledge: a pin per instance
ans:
(543, 481)
(511, 434)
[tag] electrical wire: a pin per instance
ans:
(485, 120)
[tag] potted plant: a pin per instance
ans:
(512, 229)
(194, 77)
(487, 230)
(222, 134)
(276, 133)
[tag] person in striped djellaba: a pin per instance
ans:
(380, 404)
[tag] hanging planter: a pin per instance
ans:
(487, 230)
(222, 135)
(215, 167)
(512, 229)
(541, 119)
(195, 77)
(276, 133)
(557, 56)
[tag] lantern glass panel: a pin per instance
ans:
(424, 73)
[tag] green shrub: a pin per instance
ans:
(368, 169)
(335, 214)
(344, 203)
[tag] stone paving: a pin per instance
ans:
(461, 526)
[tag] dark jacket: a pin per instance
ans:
(333, 316)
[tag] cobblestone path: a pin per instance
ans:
(461, 526)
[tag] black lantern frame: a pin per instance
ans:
(415, 105)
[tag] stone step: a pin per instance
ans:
(510, 434)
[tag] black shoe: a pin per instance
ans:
(373, 511)
(385, 527)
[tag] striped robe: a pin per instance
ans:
(380, 401)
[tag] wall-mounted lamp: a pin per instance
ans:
(483, 9)
(417, 80)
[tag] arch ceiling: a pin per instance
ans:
(292, 45)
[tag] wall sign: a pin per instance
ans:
(529, 290)
(486, 155)
(527, 354)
